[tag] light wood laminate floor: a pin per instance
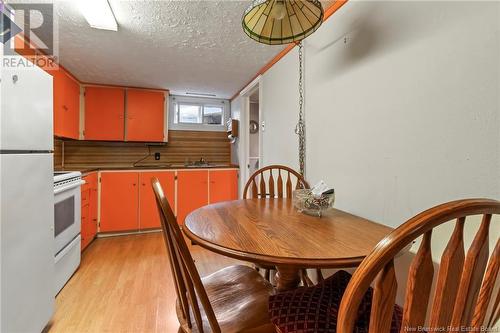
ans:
(124, 285)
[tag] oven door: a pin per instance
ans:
(67, 206)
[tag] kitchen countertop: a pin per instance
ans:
(84, 169)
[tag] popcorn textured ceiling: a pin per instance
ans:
(184, 46)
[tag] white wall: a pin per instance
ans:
(403, 116)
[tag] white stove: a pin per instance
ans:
(66, 176)
(67, 225)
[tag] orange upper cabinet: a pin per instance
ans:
(223, 185)
(119, 201)
(66, 105)
(148, 211)
(192, 192)
(145, 115)
(104, 113)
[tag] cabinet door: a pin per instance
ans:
(104, 112)
(148, 211)
(85, 228)
(119, 200)
(58, 95)
(72, 108)
(192, 192)
(66, 105)
(92, 181)
(223, 185)
(145, 115)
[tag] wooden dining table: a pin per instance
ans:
(273, 232)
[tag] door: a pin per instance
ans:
(223, 185)
(26, 241)
(148, 212)
(192, 192)
(119, 201)
(104, 113)
(26, 110)
(145, 115)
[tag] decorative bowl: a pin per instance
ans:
(306, 203)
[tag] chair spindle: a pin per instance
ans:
(418, 286)
(262, 186)
(450, 270)
(384, 298)
(470, 281)
(490, 278)
(255, 192)
(271, 184)
(288, 186)
(280, 184)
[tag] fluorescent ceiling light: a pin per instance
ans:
(98, 14)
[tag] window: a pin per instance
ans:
(194, 113)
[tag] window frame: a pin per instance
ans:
(176, 101)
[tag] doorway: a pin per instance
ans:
(250, 146)
(253, 133)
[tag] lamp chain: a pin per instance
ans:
(300, 129)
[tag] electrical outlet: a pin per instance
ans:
(157, 156)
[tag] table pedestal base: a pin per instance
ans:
(287, 278)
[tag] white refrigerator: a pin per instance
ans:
(26, 200)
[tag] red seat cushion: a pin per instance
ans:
(315, 309)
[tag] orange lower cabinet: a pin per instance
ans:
(119, 201)
(223, 185)
(89, 209)
(192, 192)
(148, 212)
(85, 234)
(93, 204)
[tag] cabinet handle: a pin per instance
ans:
(143, 184)
(134, 184)
(95, 220)
(65, 107)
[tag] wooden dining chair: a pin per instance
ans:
(269, 187)
(466, 292)
(231, 300)
(286, 181)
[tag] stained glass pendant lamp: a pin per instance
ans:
(282, 21)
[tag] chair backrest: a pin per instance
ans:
(189, 287)
(464, 285)
(279, 188)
